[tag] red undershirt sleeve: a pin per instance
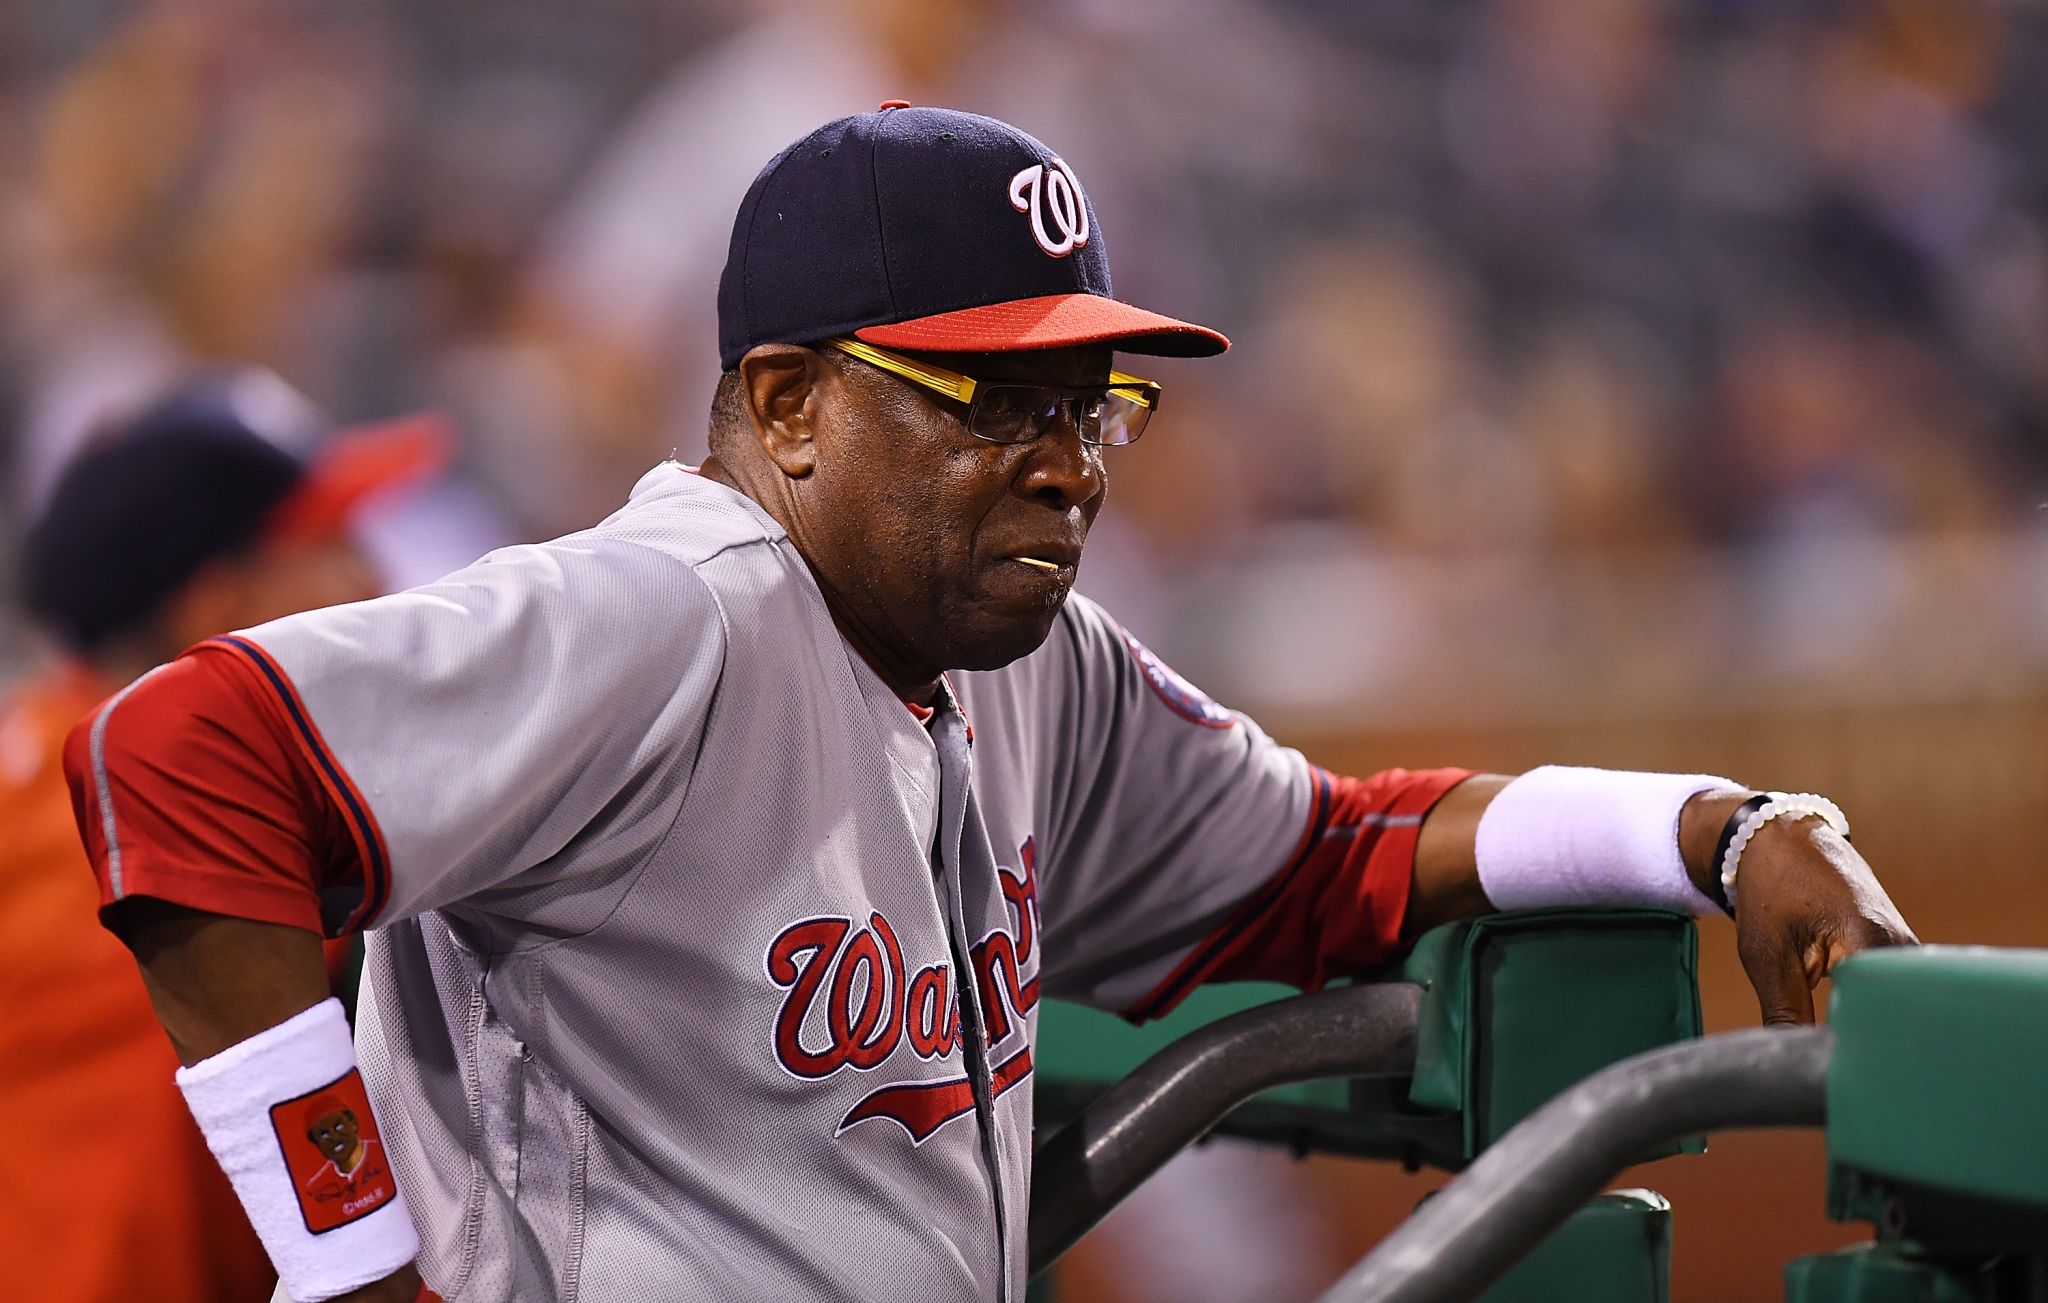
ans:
(193, 785)
(1337, 905)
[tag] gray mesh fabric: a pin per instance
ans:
(665, 1003)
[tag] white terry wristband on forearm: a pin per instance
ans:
(288, 1117)
(1565, 836)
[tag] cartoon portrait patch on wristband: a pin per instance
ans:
(336, 1159)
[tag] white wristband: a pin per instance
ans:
(1567, 836)
(1777, 805)
(288, 1117)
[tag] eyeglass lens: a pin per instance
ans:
(1020, 413)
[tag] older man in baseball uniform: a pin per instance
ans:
(720, 854)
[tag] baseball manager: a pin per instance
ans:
(719, 855)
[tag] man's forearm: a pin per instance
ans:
(1447, 886)
(1594, 837)
(216, 981)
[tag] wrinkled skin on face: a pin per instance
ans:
(913, 526)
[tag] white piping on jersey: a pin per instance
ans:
(103, 789)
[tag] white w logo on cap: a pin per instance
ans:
(1055, 194)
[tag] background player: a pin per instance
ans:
(220, 505)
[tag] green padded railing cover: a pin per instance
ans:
(1521, 1006)
(1939, 1081)
(1518, 1006)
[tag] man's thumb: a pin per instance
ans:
(1781, 989)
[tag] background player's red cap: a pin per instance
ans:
(356, 464)
(928, 229)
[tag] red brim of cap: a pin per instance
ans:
(1049, 321)
(359, 464)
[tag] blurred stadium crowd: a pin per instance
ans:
(1579, 342)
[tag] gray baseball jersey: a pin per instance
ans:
(705, 968)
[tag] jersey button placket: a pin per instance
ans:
(949, 732)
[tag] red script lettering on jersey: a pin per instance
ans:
(873, 1005)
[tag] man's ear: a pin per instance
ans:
(778, 385)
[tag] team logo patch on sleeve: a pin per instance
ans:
(1184, 698)
(334, 1154)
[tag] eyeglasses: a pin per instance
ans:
(1012, 411)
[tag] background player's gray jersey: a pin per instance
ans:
(667, 1001)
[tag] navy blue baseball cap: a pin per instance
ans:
(223, 463)
(928, 229)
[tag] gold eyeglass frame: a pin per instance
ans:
(962, 388)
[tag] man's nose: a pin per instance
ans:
(1060, 470)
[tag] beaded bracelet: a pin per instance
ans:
(1723, 842)
(1779, 805)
